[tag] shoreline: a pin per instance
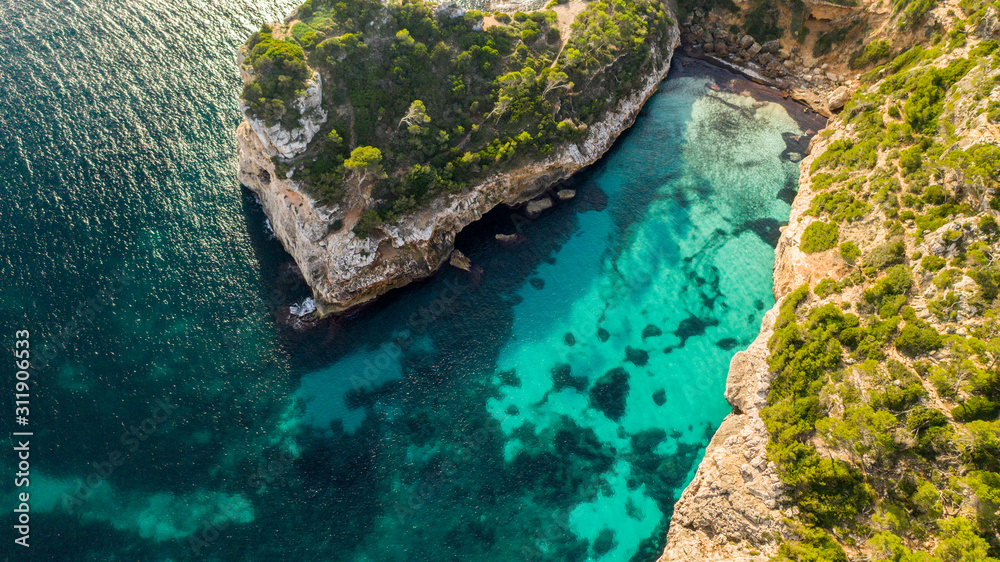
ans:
(803, 97)
(735, 491)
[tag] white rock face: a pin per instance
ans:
(288, 144)
(344, 270)
(838, 98)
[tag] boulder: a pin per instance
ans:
(537, 206)
(507, 238)
(721, 49)
(459, 260)
(838, 98)
(754, 49)
(565, 194)
(746, 41)
(772, 46)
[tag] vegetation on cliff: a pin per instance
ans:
(883, 410)
(444, 95)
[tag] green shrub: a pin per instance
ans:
(947, 278)
(819, 236)
(849, 154)
(976, 408)
(368, 222)
(932, 263)
(915, 340)
(850, 252)
(813, 545)
(762, 21)
(890, 253)
(913, 11)
(984, 48)
(841, 206)
(900, 393)
(921, 418)
(826, 40)
(888, 294)
(934, 195)
(984, 452)
(280, 73)
(826, 288)
(927, 91)
(874, 52)
(824, 180)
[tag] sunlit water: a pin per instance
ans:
(549, 406)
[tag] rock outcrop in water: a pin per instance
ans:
(345, 269)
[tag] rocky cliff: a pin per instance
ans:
(890, 185)
(732, 510)
(345, 270)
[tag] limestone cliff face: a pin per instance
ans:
(344, 270)
(735, 508)
(730, 511)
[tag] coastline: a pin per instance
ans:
(731, 506)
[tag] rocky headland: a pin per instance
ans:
(346, 268)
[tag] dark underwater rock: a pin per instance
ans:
(692, 326)
(569, 338)
(637, 357)
(603, 334)
(562, 377)
(767, 229)
(651, 331)
(727, 343)
(509, 378)
(604, 542)
(609, 393)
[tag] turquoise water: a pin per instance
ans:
(549, 406)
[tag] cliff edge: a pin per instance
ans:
(393, 218)
(865, 414)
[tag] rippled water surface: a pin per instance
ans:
(551, 405)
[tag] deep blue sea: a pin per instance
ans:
(550, 405)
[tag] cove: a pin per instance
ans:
(550, 405)
(570, 383)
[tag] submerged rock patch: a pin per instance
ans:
(651, 331)
(692, 326)
(609, 392)
(727, 343)
(637, 357)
